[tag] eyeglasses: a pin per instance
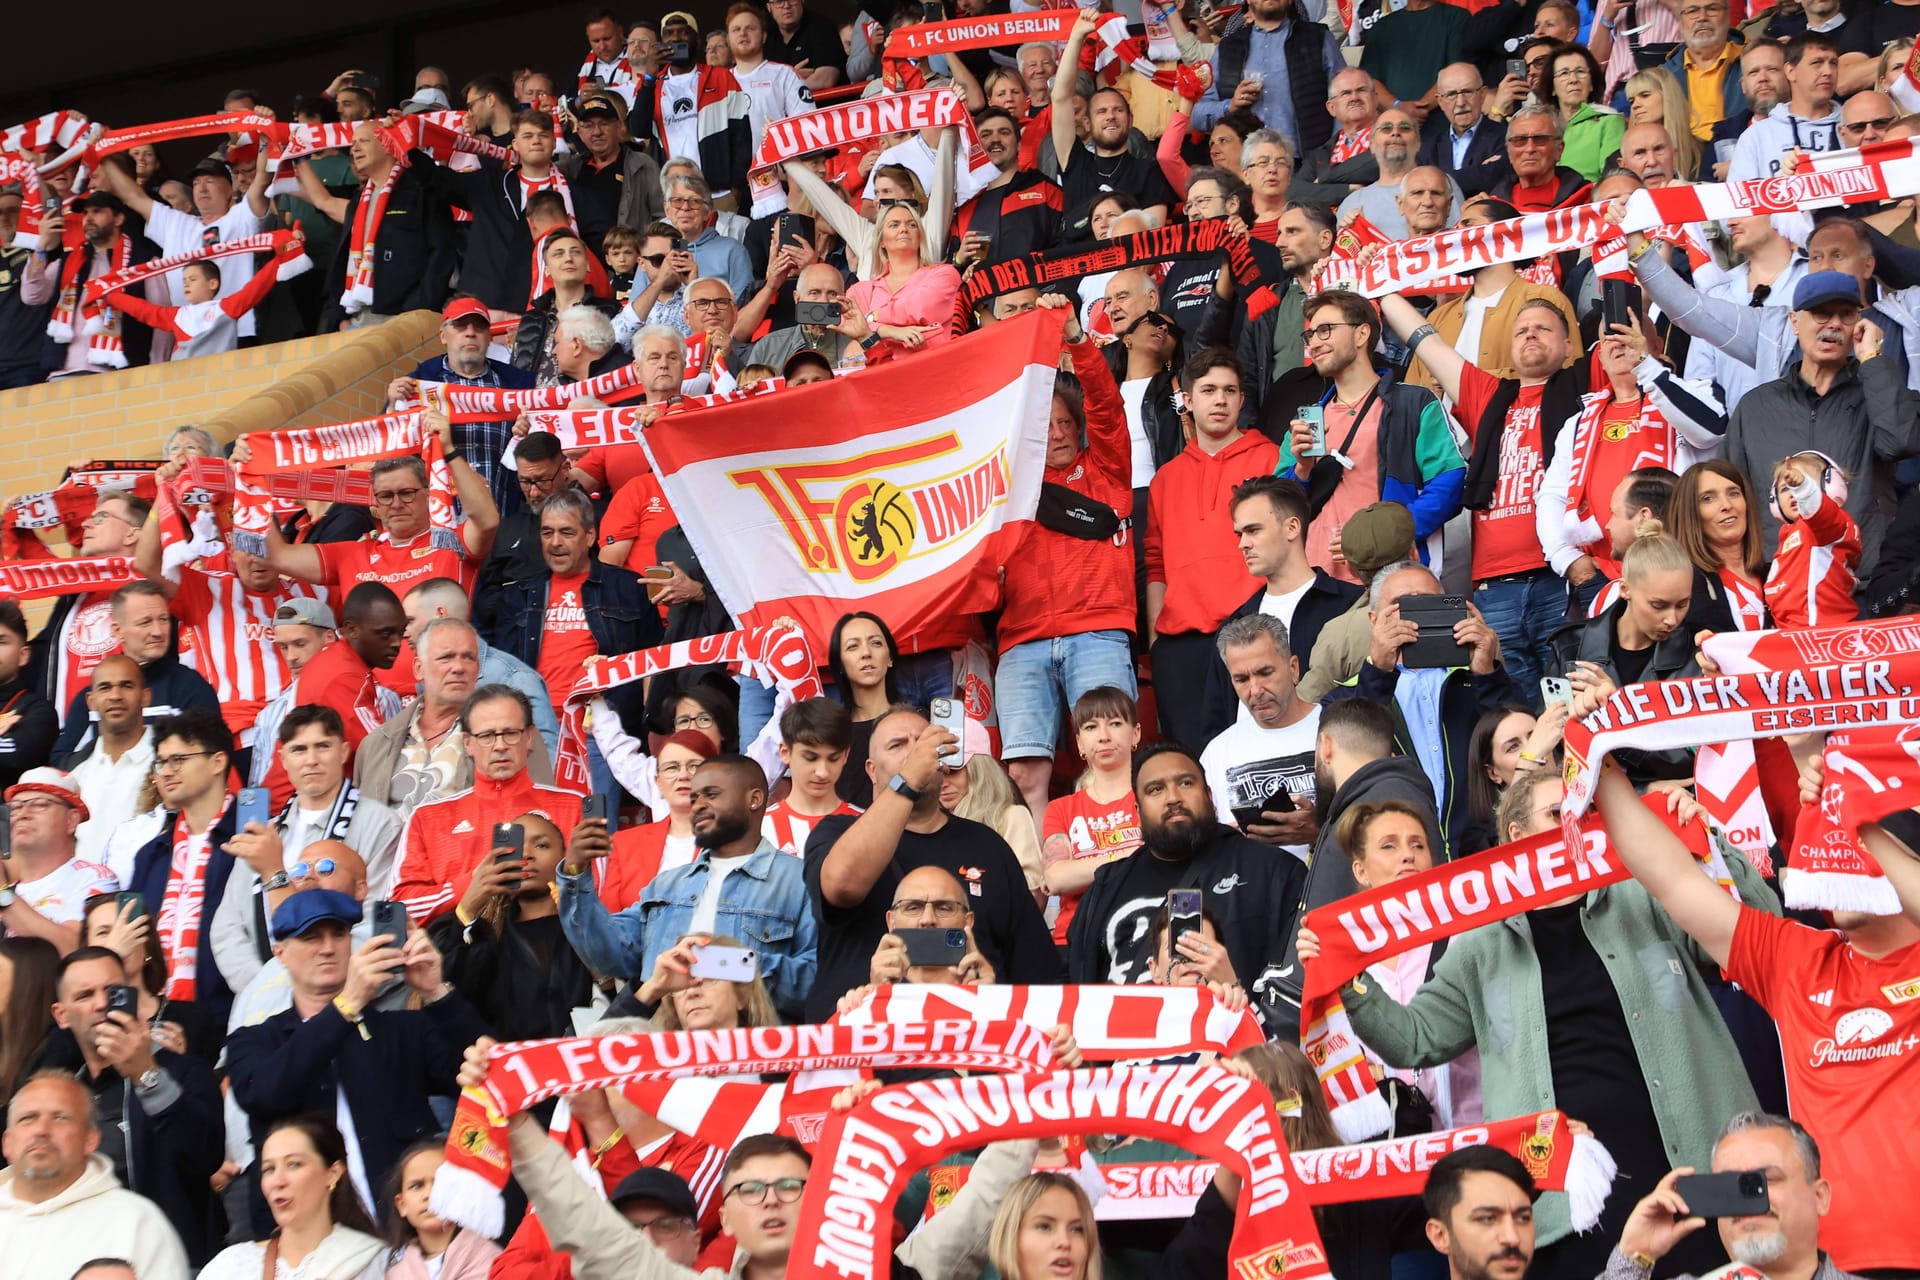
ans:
(703, 720)
(37, 806)
(944, 908)
(1861, 126)
(1522, 141)
(1402, 127)
(666, 1228)
(505, 737)
(101, 517)
(709, 304)
(653, 259)
(1458, 93)
(393, 497)
(686, 202)
(301, 870)
(1569, 73)
(1321, 332)
(171, 764)
(754, 1191)
(1268, 162)
(675, 770)
(539, 482)
(898, 202)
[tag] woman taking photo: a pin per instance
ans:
(1591, 131)
(421, 1244)
(862, 655)
(320, 1229)
(1506, 741)
(687, 1003)
(1712, 515)
(906, 291)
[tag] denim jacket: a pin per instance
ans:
(763, 903)
(616, 605)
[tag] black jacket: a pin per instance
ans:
(29, 743)
(1673, 658)
(172, 687)
(530, 340)
(1330, 871)
(414, 254)
(498, 264)
(515, 558)
(519, 995)
(151, 867)
(618, 613)
(1485, 164)
(1326, 599)
(287, 1067)
(171, 1154)
(1252, 889)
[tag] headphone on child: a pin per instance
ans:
(1833, 482)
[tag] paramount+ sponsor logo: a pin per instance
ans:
(1860, 1036)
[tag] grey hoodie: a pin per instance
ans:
(95, 1217)
(1330, 870)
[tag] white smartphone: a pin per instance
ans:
(1554, 689)
(724, 964)
(951, 714)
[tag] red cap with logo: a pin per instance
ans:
(461, 308)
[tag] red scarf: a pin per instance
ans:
(92, 298)
(178, 926)
(1117, 53)
(340, 444)
(493, 404)
(1108, 1023)
(38, 579)
(1347, 146)
(368, 213)
(103, 332)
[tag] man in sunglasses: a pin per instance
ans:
(326, 810)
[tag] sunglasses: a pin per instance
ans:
(654, 259)
(301, 870)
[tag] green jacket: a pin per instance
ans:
(1592, 135)
(1485, 992)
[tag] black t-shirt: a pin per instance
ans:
(1630, 664)
(1089, 176)
(816, 41)
(1007, 926)
(1870, 29)
(596, 198)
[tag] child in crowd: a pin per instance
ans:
(753, 375)
(1099, 822)
(1812, 579)
(620, 250)
(815, 736)
(207, 324)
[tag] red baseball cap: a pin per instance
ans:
(461, 308)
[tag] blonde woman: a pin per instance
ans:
(906, 292)
(862, 236)
(1045, 1231)
(1654, 96)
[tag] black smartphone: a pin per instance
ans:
(789, 227)
(679, 52)
(1739, 1194)
(390, 918)
(254, 805)
(6, 831)
(596, 806)
(1435, 616)
(124, 1000)
(1183, 914)
(139, 901)
(933, 11)
(678, 244)
(1517, 67)
(1279, 801)
(1619, 300)
(512, 837)
(934, 948)
(824, 314)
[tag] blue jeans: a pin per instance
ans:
(599, 775)
(922, 677)
(756, 708)
(1039, 680)
(1524, 613)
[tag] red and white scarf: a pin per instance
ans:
(1108, 1022)
(178, 924)
(38, 579)
(127, 277)
(524, 1073)
(369, 210)
(493, 404)
(113, 141)
(1653, 442)
(341, 444)
(103, 330)
(1416, 911)
(846, 1216)
(69, 503)
(23, 171)
(1112, 53)
(1346, 146)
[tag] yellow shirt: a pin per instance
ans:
(1706, 101)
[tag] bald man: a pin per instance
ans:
(110, 770)
(925, 899)
(1129, 295)
(1647, 153)
(844, 344)
(1867, 117)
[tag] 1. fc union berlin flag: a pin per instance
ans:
(896, 489)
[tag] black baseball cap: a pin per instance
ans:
(662, 1185)
(213, 167)
(101, 200)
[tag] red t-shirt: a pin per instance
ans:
(787, 831)
(638, 512)
(337, 678)
(1850, 1037)
(566, 641)
(1095, 830)
(1625, 446)
(1505, 539)
(402, 566)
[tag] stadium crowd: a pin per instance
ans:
(289, 843)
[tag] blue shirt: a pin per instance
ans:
(1461, 141)
(497, 666)
(1267, 54)
(723, 256)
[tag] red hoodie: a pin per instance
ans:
(445, 839)
(1060, 585)
(1190, 545)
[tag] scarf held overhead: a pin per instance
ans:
(127, 277)
(524, 1073)
(302, 449)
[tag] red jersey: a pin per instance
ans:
(1505, 538)
(337, 678)
(402, 566)
(1811, 582)
(638, 512)
(1850, 1037)
(226, 634)
(445, 839)
(567, 642)
(1092, 830)
(1627, 437)
(85, 638)
(787, 830)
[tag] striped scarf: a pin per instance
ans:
(103, 331)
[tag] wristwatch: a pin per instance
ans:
(149, 1080)
(6, 896)
(869, 342)
(900, 785)
(278, 880)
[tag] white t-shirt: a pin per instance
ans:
(707, 910)
(1133, 394)
(177, 232)
(111, 789)
(61, 895)
(777, 93)
(679, 852)
(1475, 319)
(1246, 764)
(680, 114)
(1282, 607)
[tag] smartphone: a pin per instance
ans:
(933, 948)
(951, 714)
(725, 964)
(1435, 616)
(124, 1000)
(254, 805)
(1517, 67)
(656, 578)
(824, 314)
(1183, 914)
(512, 837)
(1741, 1194)
(596, 806)
(933, 11)
(678, 244)
(789, 227)
(121, 899)
(1316, 418)
(390, 918)
(679, 53)
(1555, 689)
(1619, 299)
(6, 831)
